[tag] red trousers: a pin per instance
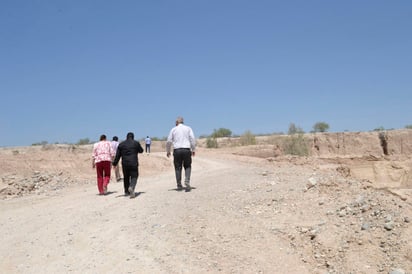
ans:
(103, 175)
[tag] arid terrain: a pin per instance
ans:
(345, 208)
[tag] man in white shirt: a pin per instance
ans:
(115, 144)
(184, 146)
(148, 142)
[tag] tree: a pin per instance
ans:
(408, 126)
(221, 132)
(42, 143)
(381, 128)
(293, 129)
(320, 127)
(83, 141)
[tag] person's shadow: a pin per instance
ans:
(107, 193)
(185, 189)
(136, 194)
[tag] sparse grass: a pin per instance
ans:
(247, 138)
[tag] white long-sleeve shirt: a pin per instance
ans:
(181, 136)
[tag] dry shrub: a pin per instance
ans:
(295, 144)
(247, 138)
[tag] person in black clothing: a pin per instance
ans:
(128, 150)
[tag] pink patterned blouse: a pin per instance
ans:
(103, 151)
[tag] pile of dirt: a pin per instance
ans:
(42, 169)
(340, 223)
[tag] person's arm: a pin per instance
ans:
(112, 151)
(139, 147)
(169, 143)
(94, 154)
(192, 140)
(117, 157)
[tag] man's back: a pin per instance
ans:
(128, 150)
(181, 136)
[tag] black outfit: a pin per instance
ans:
(128, 151)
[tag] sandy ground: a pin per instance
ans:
(245, 215)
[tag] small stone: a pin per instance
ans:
(365, 226)
(389, 226)
(311, 183)
(397, 271)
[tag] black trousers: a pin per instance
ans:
(182, 157)
(130, 175)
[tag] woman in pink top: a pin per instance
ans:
(103, 154)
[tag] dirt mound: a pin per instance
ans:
(41, 169)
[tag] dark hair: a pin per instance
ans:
(115, 138)
(102, 137)
(130, 135)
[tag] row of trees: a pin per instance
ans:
(293, 144)
(318, 127)
(246, 139)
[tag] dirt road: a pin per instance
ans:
(244, 216)
(160, 231)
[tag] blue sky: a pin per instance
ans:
(71, 70)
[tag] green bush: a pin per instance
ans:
(211, 142)
(408, 126)
(247, 138)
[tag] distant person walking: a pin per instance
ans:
(148, 142)
(128, 150)
(103, 154)
(184, 145)
(115, 144)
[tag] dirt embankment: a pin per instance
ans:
(382, 158)
(339, 144)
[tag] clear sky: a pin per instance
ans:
(76, 69)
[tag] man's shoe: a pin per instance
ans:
(132, 194)
(104, 190)
(179, 187)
